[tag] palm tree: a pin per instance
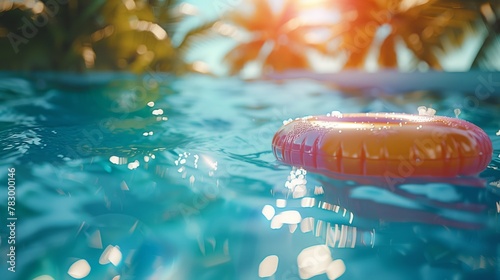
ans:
(425, 27)
(103, 35)
(277, 40)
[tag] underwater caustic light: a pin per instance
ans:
(381, 144)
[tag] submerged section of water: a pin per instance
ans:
(152, 177)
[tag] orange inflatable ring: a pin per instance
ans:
(384, 144)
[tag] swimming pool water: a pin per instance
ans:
(157, 177)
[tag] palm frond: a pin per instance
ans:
(387, 56)
(167, 14)
(285, 57)
(242, 54)
(259, 17)
(199, 33)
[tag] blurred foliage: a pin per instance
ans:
(428, 29)
(276, 40)
(488, 56)
(102, 35)
(136, 35)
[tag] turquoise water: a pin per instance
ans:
(155, 177)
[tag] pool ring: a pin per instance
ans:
(384, 144)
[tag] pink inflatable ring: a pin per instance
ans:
(382, 144)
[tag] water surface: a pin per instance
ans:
(156, 177)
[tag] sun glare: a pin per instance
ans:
(317, 11)
(311, 3)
